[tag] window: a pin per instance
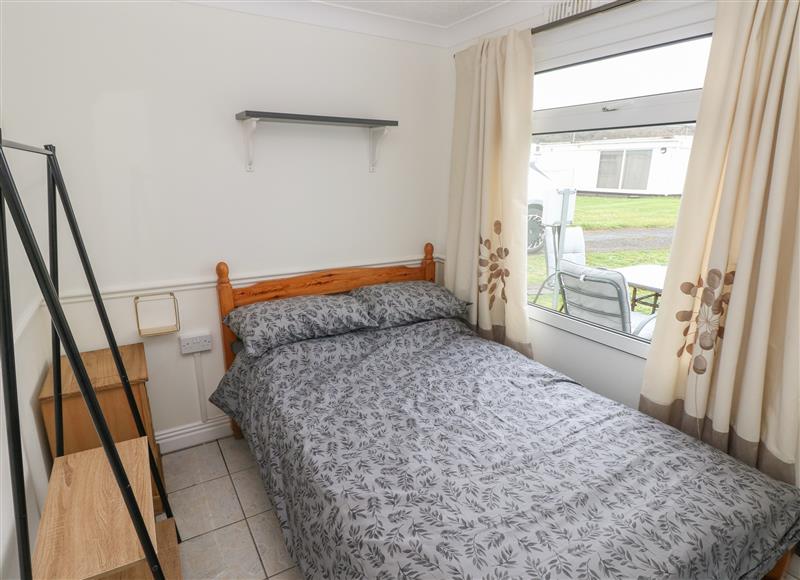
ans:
(624, 169)
(637, 169)
(610, 169)
(606, 182)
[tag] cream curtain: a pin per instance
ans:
(487, 228)
(724, 363)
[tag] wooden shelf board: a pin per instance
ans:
(168, 556)
(158, 330)
(314, 119)
(85, 530)
(100, 366)
(168, 549)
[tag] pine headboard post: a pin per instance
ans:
(225, 295)
(428, 265)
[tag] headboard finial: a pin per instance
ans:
(429, 251)
(222, 272)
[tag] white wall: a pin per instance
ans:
(139, 99)
(599, 365)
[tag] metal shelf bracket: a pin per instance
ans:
(376, 137)
(249, 135)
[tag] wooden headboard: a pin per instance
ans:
(323, 282)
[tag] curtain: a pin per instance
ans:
(724, 363)
(487, 221)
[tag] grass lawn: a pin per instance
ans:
(616, 212)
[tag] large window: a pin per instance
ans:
(606, 181)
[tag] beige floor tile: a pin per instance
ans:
(191, 466)
(225, 553)
(205, 507)
(236, 453)
(251, 491)
(290, 574)
(269, 541)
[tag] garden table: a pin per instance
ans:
(648, 278)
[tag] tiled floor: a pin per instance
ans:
(224, 516)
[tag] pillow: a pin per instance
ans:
(237, 346)
(399, 303)
(266, 325)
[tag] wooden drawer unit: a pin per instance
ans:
(79, 433)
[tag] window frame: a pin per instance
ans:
(645, 111)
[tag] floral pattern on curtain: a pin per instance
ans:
(486, 242)
(724, 364)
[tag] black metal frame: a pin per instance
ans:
(12, 405)
(62, 334)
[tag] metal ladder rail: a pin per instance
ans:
(10, 194)
(11, 403)
(55, 343)
(54, 172)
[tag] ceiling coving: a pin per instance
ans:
(432, 13)
(445, 23)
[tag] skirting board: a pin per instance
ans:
(193, 434)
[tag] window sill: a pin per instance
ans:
(628, 344)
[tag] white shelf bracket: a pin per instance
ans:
(376, 137)
(249, 136)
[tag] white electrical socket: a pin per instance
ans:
(191, 343)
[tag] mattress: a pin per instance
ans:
(424, 451)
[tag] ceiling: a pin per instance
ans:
(444, 23)
(442, 14)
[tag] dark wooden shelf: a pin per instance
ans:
(313, 119)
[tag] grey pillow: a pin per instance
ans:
(399, 303)
(266, 325)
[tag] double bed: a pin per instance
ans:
(423, 451)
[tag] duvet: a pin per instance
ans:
(424, 451)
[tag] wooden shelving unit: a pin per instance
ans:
(79, 433)
(85, 530)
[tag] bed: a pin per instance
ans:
(423, 451)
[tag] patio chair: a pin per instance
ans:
(601, 296)
(574, 247)
(574, 250)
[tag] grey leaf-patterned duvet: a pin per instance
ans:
(426, 452)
